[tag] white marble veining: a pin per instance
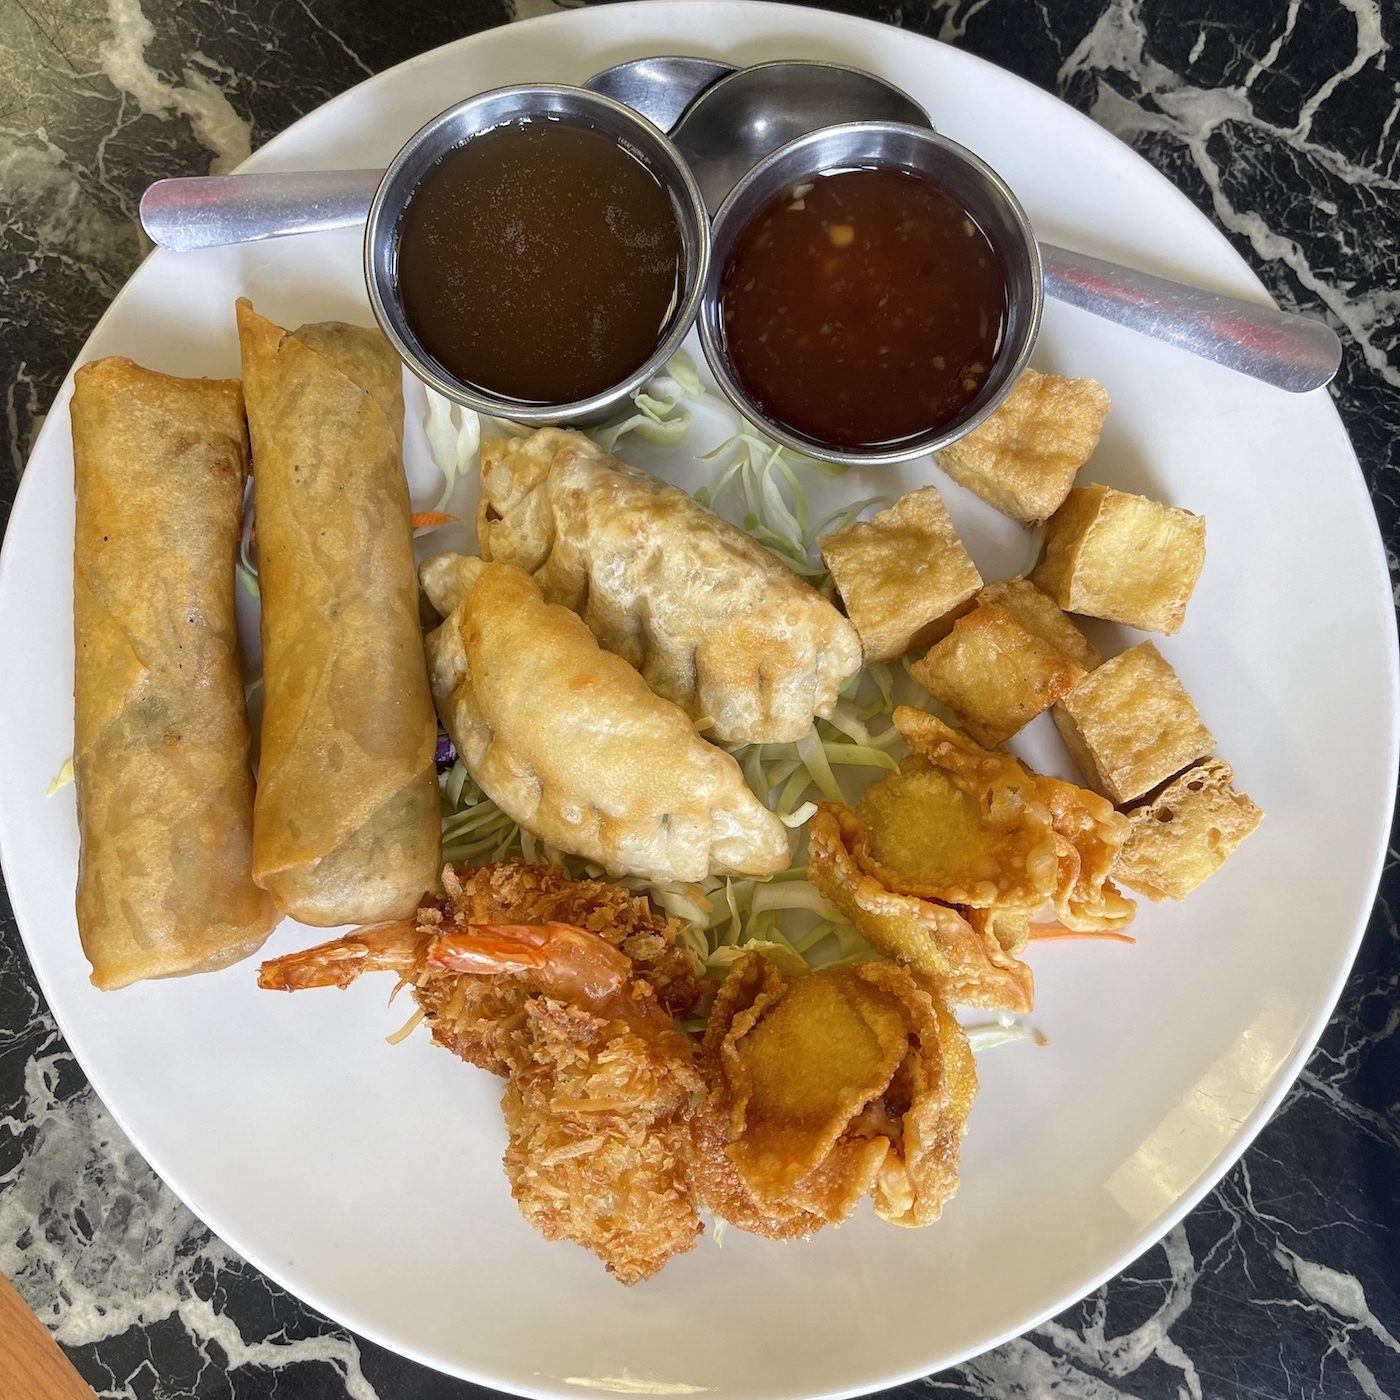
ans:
(198, 99)
(1195, 116)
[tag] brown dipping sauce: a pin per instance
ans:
(540, 261)
(863, 308)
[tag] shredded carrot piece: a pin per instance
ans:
(429, 519)
(1046, 932)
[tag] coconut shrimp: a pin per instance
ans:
(600, 1080)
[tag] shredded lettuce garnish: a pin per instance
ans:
(62, 778)
(1005, 1030)
(760, 483)
(454, 435)
(247, 566)
(784, 917)
(661, 414)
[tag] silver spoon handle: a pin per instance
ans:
(210, 211)
(1292, 352)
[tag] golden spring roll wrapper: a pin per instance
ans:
(346, 826)
(160, 749)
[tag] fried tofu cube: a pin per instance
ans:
(903, 576)
(1186, 833)
(1038, 612)
(1123, 557)
(994, 674)
(1024, 458)
(1130, 725)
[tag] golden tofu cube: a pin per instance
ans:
(1186, 833)
(1038, 612)
(1130, 725)
(903, 576)
(1024, 458)
(1123, 557)
(994, 674)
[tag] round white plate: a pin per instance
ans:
(366, 1178)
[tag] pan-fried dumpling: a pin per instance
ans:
(571, 744)
(706, 614)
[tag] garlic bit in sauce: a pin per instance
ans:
(863, 309)
(540, 261)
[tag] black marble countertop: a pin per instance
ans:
(1279, 118)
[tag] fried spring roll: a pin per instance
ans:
(346, 827)
(160, 748)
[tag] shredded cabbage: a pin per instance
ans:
(662, 416)
(1005, 1030)
(62, 778)
(454, 435)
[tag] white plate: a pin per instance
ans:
(367, 1179)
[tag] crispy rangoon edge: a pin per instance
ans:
(1089, 833)
(902, 1147)
(753, 981)
(964, 967)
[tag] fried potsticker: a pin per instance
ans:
(707, 615)
(570, 742)
(842, 1083)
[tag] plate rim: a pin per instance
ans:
(1144, 1238)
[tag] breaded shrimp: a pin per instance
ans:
(601, 1081)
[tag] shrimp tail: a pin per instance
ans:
(337, 963)
(566, 960)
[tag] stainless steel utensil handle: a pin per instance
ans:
(210, 211)
(1293, 352)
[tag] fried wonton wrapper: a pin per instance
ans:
(569, 742)
(346, 823)
(985, 841)
(1088, 832)
(964, 961)
(943, 864)
(838, 1084)
(160, 744)
(710, 618)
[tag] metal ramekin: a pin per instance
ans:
(954, 169)
(459, 124)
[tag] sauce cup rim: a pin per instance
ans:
(1011, 359)
(388, 204)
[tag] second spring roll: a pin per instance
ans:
(346, 827)
(160, 747)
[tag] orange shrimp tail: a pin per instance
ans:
(566, 960)
(328, 966)
(383, 948)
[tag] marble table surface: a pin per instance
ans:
(1279, 118)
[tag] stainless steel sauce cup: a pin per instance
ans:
(944, 163)
(500, 107)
